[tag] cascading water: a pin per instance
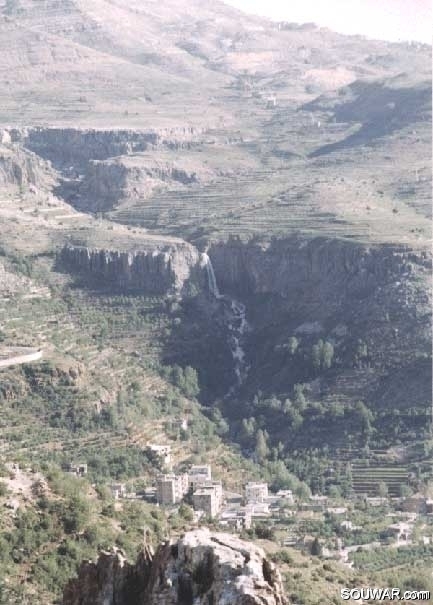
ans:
(235, 313)
(211, 279)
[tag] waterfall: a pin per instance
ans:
(237, 325)
(211, 279)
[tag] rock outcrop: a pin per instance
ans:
(22, 168)
(108, 182)
(201, 568)
(153, 270)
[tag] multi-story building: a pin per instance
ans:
(208, 498)
(170, 489)
(205, 499)
(256, 492)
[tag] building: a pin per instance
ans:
(118, 490)
(286, 495)
(199, 474)
(78, 469)
(415, 504)
(181, 424)
(376, 501)
(236, 519)
(337, 510)
(318, 503)
(258, 510)
(256, 492)
(348, 526)
(162, 452)
(208, 497)
(205, 500)
(170, 489)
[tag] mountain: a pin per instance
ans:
(213, 218)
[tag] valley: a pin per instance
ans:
(215, 238)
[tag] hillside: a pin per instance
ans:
(211, 217)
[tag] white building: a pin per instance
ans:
(236, 519)
(286, 495)
(78, 469)
(258, 510)
(256, 492)
(118, 490)
(163, 452)
(337, 510)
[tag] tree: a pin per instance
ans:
(382, 489)
(295, 418)
(299, 397)
(316, 547)
(302, 491)
(186, 512)
(327, 355)
(292, 345)
(248, 426)
(287, 406)
(316, 355)
(261, 450)
(405, 491)
(334, 491)
(322, 355)
(364, 417)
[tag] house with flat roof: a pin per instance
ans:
(162, 452)
(171, 488)
(80, 469)
(256, 492)
(208, 497)
(118, 490)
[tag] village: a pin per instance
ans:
(344, 526)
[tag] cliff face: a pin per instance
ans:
(342, 292)
(150, 271)
(108, 182)
(316, 274)
(201, 568)
(70, 146)
(22, 168)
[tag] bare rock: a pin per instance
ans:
(201, 568)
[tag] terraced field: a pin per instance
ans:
(368, 477)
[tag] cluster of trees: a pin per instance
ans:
(185, 379)
(322, 355)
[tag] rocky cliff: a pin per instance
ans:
(157, 270)
(22, 168)
(343, 292)
(71, 146)
(108, 182)
(312, 271)
(201, 568)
